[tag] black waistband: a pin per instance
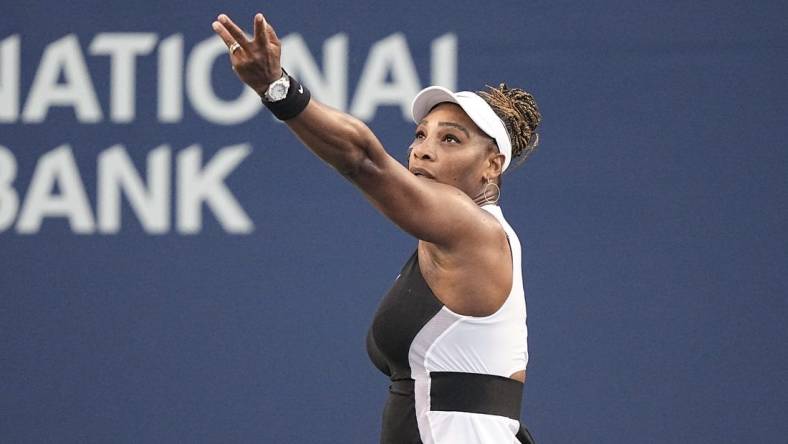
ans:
(469, 392)
(476, 393)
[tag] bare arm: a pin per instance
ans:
(431, 211)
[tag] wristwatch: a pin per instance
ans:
(278, 89)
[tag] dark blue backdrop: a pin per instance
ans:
(654, 220)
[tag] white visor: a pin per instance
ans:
(474, 106)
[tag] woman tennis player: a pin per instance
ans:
(451, 332)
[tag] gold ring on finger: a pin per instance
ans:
(234, 47)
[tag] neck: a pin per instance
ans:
(489, 194)
(480, 200)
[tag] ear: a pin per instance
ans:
(494, 165)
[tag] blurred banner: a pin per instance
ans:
(176, 267)
(68, 81)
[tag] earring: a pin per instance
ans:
(497, 192)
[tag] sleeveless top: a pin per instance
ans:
(421, 344)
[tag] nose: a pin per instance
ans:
(423, 150)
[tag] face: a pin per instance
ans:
(449, 148)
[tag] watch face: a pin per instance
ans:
(278, 91)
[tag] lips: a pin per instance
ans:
(421, 172)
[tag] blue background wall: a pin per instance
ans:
(654, 220)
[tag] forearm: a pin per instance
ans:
(340, 139)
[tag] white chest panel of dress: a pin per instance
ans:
(493, 345)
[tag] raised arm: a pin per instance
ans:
(431, 211)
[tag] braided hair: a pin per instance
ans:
(520, 114)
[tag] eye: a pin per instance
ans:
(451, 138)
(419, 135)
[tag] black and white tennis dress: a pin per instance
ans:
(449, 372)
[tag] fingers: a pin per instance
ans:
(259, 29)
(237, 33)
(222, 32)
(263, 31)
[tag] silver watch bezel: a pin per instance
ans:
(277, 87)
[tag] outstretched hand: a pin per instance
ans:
(256, 60)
